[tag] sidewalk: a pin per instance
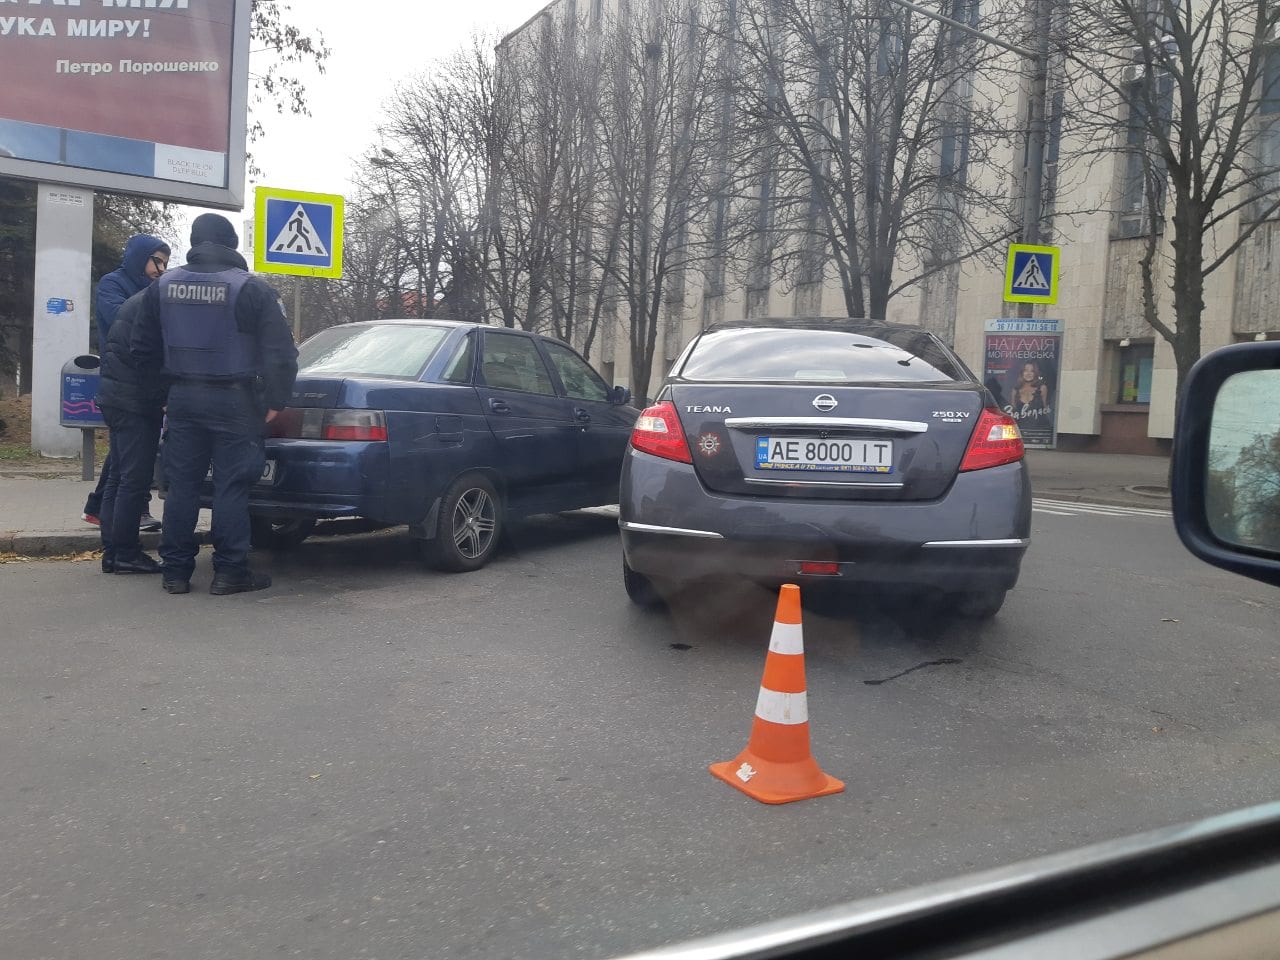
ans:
(40, 504)
(1114, 478)
(40, 507)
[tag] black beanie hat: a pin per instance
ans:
(213, 228)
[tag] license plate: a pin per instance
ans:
(829, 455)
(268, 473)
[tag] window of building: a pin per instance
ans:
(1136, 363)
(889, 57)
(1052, 152)
(966, 12)
(954, 150)
(1269, 132)
(1143, 189)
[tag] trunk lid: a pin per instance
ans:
(888, 441)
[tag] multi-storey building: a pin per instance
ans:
(1116, 377)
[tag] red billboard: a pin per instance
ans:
(151, 89)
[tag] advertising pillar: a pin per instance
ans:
(64, 239)
(1021, 367)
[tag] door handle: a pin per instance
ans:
(498, 406)
(582, 415)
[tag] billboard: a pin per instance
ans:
(134, 96)
(1021, 367)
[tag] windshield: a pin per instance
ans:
(819, 355)
(382, 350)
(465, 636)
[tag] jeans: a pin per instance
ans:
(220, 425)
(132, 455)
(93, 503)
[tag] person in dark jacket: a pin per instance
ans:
(145, 258)
(221, 336)
(132, 402)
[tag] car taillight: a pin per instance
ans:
(996, 440)
(315, 423)
(658, 432)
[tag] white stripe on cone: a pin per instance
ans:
(788, 708)
(786, 638)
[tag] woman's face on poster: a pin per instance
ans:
(1030, 373)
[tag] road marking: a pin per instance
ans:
(1069, 508)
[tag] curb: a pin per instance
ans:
(62, 543)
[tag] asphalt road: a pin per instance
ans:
(374, 761)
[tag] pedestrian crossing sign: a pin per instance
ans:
(297, 233)
(1031, 274)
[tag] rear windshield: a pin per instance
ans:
(381, 350)
(827, 356)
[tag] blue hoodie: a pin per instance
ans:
(126, 280)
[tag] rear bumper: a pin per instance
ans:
(324, 480)
(972, 538)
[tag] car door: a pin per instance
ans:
(604, 426)
(534, 426)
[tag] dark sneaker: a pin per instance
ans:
(176, 586)
(91, 518)
(108, 564)
(224, 583)
(139, 563)
(148, 524)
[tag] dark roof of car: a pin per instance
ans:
(444, 322)
(422, 321)
(851, 324)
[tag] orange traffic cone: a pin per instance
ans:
(776, 766)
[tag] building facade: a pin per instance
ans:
(1115, 378)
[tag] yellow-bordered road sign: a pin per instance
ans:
(1031, 274)
(297, 233)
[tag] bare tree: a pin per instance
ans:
(433, 174)
(657, 129)
(866, 141)
(1187, 97)
(535, 106)
(372, 269)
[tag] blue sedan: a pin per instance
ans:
(451, 428)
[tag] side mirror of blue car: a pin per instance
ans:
(619, 395)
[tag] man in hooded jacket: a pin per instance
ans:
(221, 335)
(132, 403)
(145, 258)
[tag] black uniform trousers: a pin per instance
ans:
(220, 425)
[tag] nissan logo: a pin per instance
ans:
(825, 402)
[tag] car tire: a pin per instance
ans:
(469, 526)
(981, 604)
(286, 534)
(640, 588)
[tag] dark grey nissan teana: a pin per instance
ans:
(854, 451)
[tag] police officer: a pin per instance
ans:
(226, 347)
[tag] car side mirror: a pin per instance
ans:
(1226, 460)
(619, 395)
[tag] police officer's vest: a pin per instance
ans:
(198, 320)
